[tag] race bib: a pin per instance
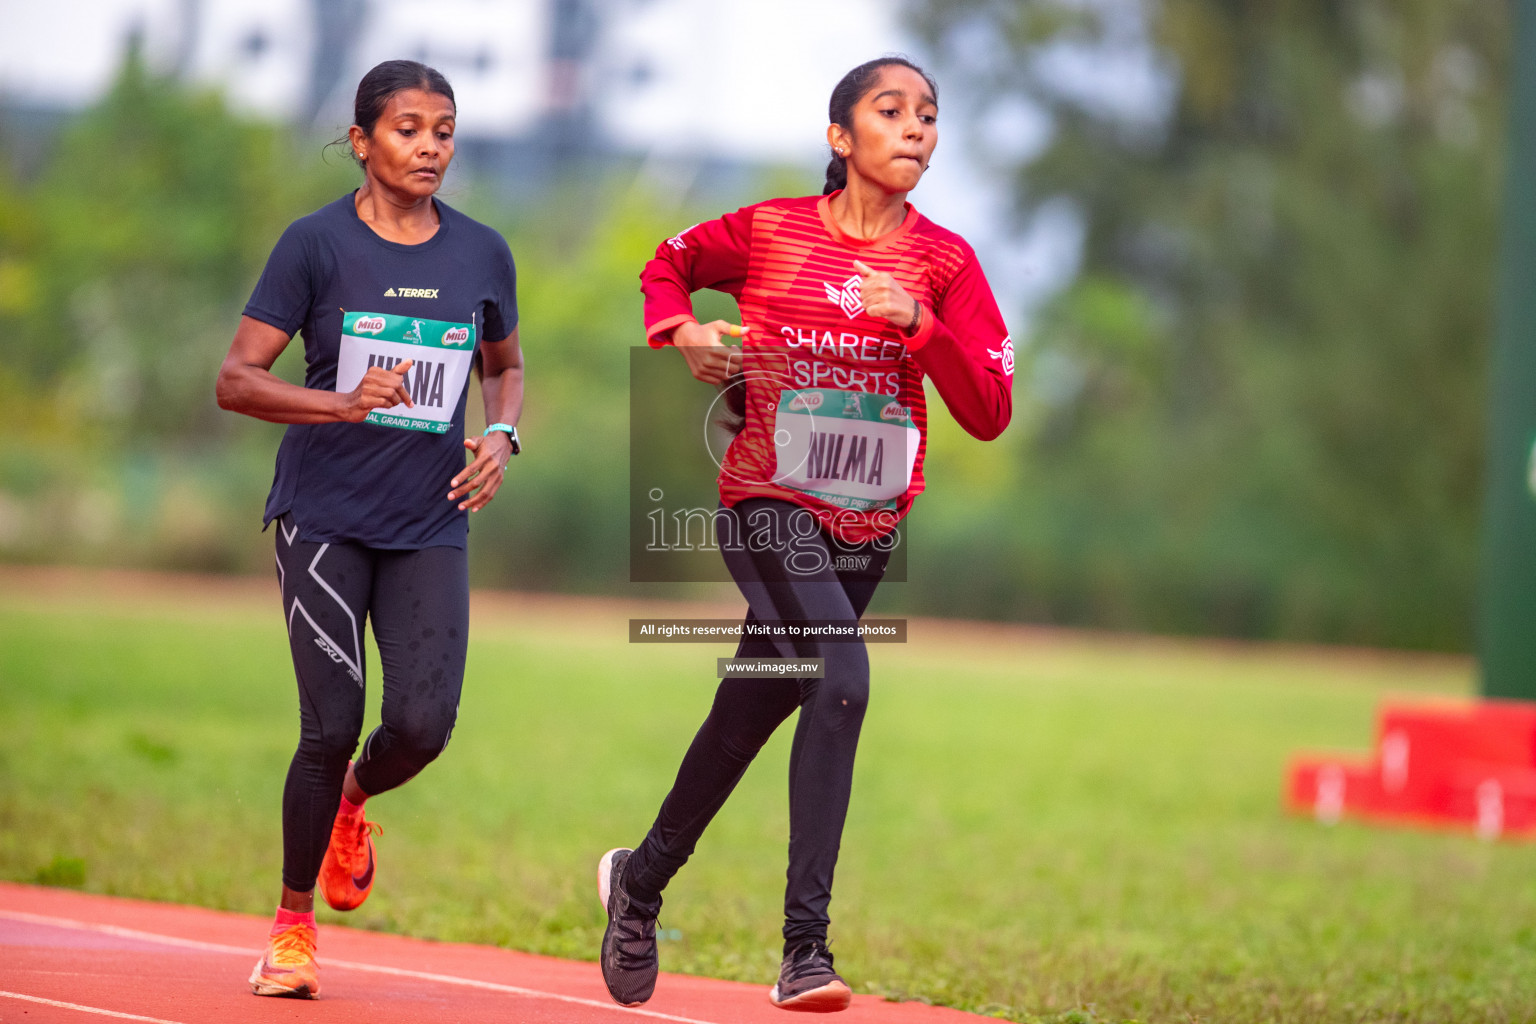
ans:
(441, 352)
(848, 448)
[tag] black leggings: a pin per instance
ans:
(419, 602)
(800, 573)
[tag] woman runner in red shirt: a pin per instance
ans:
(847, 300)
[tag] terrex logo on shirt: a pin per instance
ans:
(848, 298)
(411, 293)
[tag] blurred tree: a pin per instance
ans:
(124, 265)
(151, 219)
(1258, 409)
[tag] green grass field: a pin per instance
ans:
(1044, 826)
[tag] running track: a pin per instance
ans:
(82, 959)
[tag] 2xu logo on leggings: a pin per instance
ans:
(441, 353)
(850, 449)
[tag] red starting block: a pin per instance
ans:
(1464, 764)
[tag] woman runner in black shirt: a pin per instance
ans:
(397, 295)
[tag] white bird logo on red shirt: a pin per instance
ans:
(1005, 356)
(849, 299)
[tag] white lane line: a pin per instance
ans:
(85, 1009)
(351, 965)
(125, 933)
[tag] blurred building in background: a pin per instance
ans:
(695, 78)
(695, 94)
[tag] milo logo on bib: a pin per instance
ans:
(847, 448)
(440, 351)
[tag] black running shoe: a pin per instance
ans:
(808, 982)
(629, 943)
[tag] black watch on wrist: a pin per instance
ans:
(510, 431)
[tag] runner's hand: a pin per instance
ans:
(479, 481)
(379, 389)
(708, 358)
(883, 296)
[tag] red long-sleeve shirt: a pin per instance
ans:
(810, 345)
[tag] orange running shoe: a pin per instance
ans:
(346, 873)
(288, 967)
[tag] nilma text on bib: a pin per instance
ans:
(441, 354)
(848, 448)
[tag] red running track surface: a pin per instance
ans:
(85, 959)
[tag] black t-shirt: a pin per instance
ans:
(383, 486)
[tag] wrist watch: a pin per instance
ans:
(510, 431)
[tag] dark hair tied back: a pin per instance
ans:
(855, 85)
(386, 79)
